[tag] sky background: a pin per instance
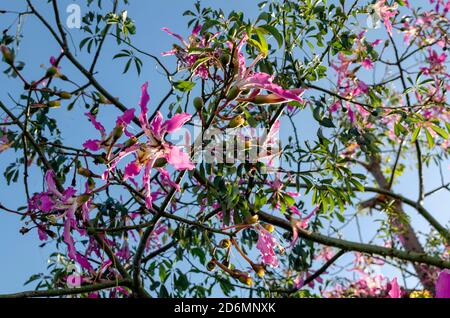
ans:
(20, 254)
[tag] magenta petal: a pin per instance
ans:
(92, 144)
(443, 284)
(351, 114)
(122, 154)
(83, 261)
(264, 81)
(179, 37)
(50, 180)
(179, 159)
(165, 176)
(367, 63)
(266, 244)
(41, 233)
(126, 118)
(168, 53)
(197, 30)
(68, 239)
(147, 184)
(46, 203)
(53, 60)
(176, 122)
(132, 169)
(145, 98)
(284, 93)
(395, 291)
(68, 193)
(334, 107)
(96, 124)
(156, 124)
(261, 78)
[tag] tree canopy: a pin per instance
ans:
(271, 167)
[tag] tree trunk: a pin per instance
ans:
(406, 233)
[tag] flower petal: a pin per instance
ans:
(395, 291)
(176, 122)
(132, 169)
(145, 98)
(443, 284)
(126, 118)
(179, 159)
(92, 144)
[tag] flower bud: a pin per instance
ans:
(102, 99)
(198, 103)
(224, 59)
(252, 219)
(65, 95)
(211, 265)
(52, 218)
(91, 183)
(118, 131)
(236, 122)
(131, 141)
(83, 198)
(267, 99)
(268, 227)
(84, 172)
(233, 93)
(225, 243)
(8, 56)
(259, 269)
(246, 279)
(51, 71)
(54, 103)
(160, 162)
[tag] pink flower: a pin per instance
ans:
(437, 63)
(121, 123)
(266, 245)
(367, 63)
(65, 202)
(246, 79)
(386, 12)
(395, 291)
(325, 254)
(299, 281)
(443, 284)
(156, 147)
(302, 224)
(154, 240)
(185, 54)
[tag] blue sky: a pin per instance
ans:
(20, 254)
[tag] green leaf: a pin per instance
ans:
(263, 42)
(184, 86)
(415, 134)
(441, 132)
(32, 279)
(327, 122)
(274, 32)
(358, 185)
(162, 273)
(429, 138)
